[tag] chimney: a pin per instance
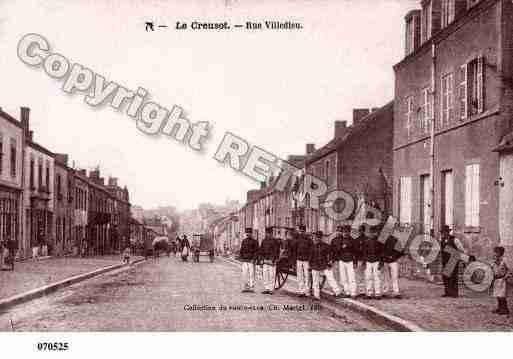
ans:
(25, 120)
(113, 181)
(62, 158)
(310, 148)
(340, 129)
(412, 37)
(358, 114)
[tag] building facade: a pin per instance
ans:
(453, 110)
(11, 154)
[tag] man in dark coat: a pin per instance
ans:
(269, 253)
(303, 250)
(185, 247)
(344, 251)
(320, 263)
(448, 244)
(248, 255)
(391, 255)
(373, 253)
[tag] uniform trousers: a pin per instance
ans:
(269, 272)
(248, 275)
(330, 278)
(347, 277)
(303, 277)
(391, 278)
(372, 279)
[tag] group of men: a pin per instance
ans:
(363, 256)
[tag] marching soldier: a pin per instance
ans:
(391, 255)
(248, 255)
(373, 253)
(269, 253)
(320, 262)
(360, 261)
(303, 250)
(344, 249)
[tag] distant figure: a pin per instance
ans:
(500, 272)
(185, 248)
(126, 255)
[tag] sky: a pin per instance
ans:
(276, 89)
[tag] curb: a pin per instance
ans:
(376, 314)
(53, 287)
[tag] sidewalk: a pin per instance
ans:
(29, 275)
(422, 304)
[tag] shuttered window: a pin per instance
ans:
(472, 195)
(446, 100)
(405, 200)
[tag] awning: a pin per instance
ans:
(505, 144)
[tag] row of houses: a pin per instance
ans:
(440, 153)
(46, 205)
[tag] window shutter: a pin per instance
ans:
(463, 92)
(480, 84)
(450, 97)
(475, 196)
(468, 195)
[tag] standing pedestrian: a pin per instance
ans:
(320, 263)
(450, 246)
(373, 253)
(343, 248)
(269, 253)
(303, 250)
(500, 272)
(126, 255)
(3, 251)
(186, 246)
(392, 252)
(248, 255)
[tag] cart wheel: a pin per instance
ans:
(280, 279)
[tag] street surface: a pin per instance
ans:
(158, 295)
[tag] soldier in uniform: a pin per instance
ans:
(391, 255)
(269, 253)
(302, 251)
(361, 263)
(343, 248)
(320, 262)
(449, 244)
(373, 253)
(248, 255)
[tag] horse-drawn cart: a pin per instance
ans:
(202, 244)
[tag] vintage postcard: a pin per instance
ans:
(255, 166)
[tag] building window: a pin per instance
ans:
(427, 21)
(427, 109)
(40, 173)
(405, 200)
(446, 100)
(47, 176)
(410, 36)
(32, 172)
(448, 11)
(409, 114)
(59, 187)
(13, 157)
(472, 195)
(471, 88)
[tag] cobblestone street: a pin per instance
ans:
(154, 296)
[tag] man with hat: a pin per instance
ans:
(343, 249)
(247, 255)
(373, 254)
(302, 251)
(269, 253)
(448, 245)
(320, 262)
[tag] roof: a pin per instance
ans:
(352, 132)
(40, 148)
(10, 119)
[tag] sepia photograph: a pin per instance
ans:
(235, 166)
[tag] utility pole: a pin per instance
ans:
(432, 142)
